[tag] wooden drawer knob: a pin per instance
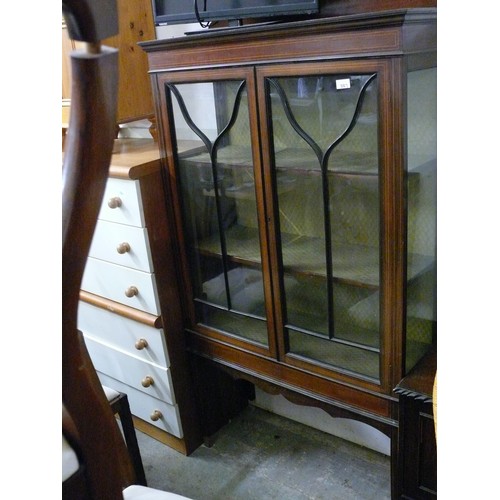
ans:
(147, 381)
(141, 344)
(114, 202)
(123, 248)
(156, 415)
(131, 291)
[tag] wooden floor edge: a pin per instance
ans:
(161, 436)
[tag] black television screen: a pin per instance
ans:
(184, 11)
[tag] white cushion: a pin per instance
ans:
(70, 462)
(110, 393)
(70, 465)
(136, 492)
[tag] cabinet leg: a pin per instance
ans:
(395, 479)
(220, 398)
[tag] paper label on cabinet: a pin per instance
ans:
(345, 83)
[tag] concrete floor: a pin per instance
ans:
(260, 456)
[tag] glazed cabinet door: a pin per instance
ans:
(351, 205)
(219, 192)
(324, 165)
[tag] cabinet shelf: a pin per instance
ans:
(246, 190)
(345, 162)
(352, 264)
(228, 156)
(300, 160)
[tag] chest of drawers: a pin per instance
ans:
(121, 307)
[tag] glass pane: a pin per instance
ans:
(325, 140)
(421, 319)
(307, 303)
(344, 357)
(219, 206)
(251, 328)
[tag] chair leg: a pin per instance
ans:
(121, 407)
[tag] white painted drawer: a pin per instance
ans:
(108, 236)
(123, 333)
(130, 370)
(112, 281)
(143, 406)
(125, 197)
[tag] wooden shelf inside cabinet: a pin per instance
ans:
(300, 160)
(354, 264)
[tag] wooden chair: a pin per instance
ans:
(120, 406)
(96, 463)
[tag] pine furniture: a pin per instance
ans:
(135, 100)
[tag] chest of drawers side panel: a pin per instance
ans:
(164, 253)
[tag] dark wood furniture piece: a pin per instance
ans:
(89, 424)
(121, 407)
(96, 464)
(305, 213)
(342, 7)
(417, 437)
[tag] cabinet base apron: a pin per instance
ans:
(224, 389)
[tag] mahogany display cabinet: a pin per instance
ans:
(304, 211)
